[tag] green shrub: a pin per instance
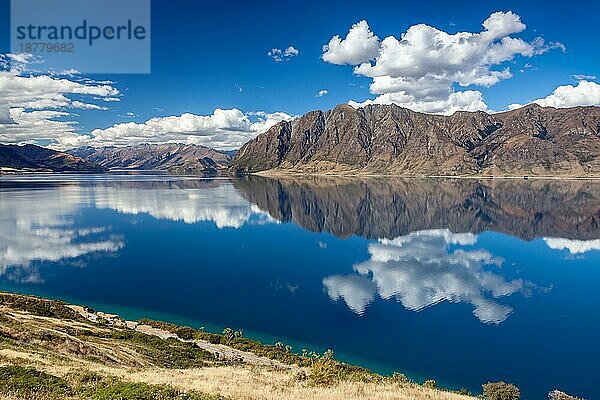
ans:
(29, 383)
(328, 372)
(166, 353)
(501, 391)
(398, 377)
(213, 338)
(86, 378)
(277, 352)
(431, 384)
(135, 391)
(324, 373)
(228, 333)
(185, 332)
(38, 306)
(328, 355)
(111, 388)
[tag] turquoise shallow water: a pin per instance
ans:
(460, 281)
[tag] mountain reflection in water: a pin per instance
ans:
(392, 207)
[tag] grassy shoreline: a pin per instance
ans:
(53, 350)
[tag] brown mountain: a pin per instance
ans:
(168, 157)
(387, 139)
(388, 208)
(35, 158)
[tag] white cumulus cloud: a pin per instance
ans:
(38, 107)
(585, 93)
(223, 129)
(359, 46)
(322, 93)
(421, 69)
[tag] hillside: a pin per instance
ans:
(387, 139)
(52, 350)
(35, 158)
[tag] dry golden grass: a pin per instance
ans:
(254, 383)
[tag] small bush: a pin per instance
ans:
(329, 372)
(324, 373)
(185, 332)
(558, 395)
(209, 337)
(501, 391)
(228, 333)
(87, 377)
(398, 377)
(430, 384)
(328, 355)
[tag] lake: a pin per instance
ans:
(457, 280)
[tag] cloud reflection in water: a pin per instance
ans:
(40, 226)
(572, 245)
(420, 270)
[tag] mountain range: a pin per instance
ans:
(180, 158)
(373, 140)
(177, 158)
(35, 158)
(387, 139)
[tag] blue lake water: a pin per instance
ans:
(461, 281)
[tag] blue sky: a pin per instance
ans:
(203, 53)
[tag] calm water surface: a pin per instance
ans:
(460, 281)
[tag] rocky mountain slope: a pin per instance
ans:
(387, 139)
(168, 157)
(35, 158)
(388, 208)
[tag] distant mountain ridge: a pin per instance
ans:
(35, 158)
(388, 139)
(183, 158)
